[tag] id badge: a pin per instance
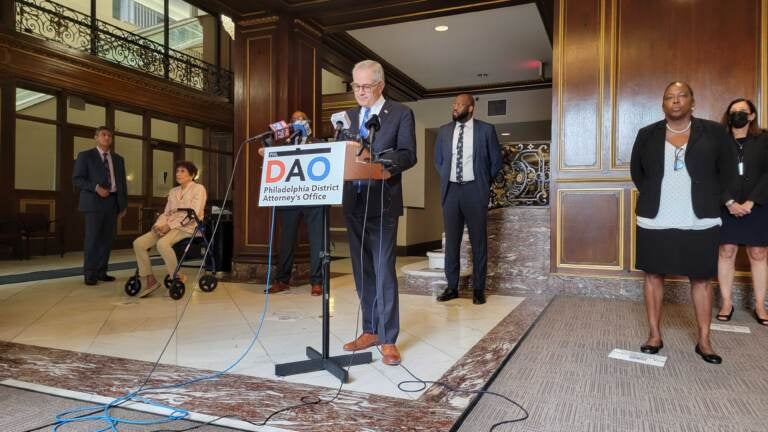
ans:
(741, 168)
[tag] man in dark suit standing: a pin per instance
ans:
(100, 176)
(372, 209)
(317, 230)
(467, 157)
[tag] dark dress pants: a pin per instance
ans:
(374, 271)
(100, 230)
(289, 226)
(465, 204)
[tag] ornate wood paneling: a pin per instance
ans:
(590, 216)
(130, 224)
(711, 45)
(276, 63)
(46, 207)
(612, 60)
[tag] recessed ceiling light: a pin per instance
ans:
(505, 134)
(441, 28)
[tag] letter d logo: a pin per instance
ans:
(275, 171)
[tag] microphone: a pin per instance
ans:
(340, 122)
(301, 128)
(373, 125)
(280, 129)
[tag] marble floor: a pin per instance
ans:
(215, 328)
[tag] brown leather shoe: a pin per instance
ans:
(277, 287)
(390, 354)
(365, 340)
(317, 289)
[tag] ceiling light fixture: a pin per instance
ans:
(441, 28)
(505, 134)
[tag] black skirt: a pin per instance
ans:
(691, 253)
(750, 230)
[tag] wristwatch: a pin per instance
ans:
(729, 202)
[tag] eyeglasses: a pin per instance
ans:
(679, 158)
(364, 87)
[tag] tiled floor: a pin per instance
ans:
(217, 327)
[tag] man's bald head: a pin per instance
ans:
(463, 107)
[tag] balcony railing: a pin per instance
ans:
(524, 176)
(51, 21)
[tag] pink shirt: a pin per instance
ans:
(194, 197)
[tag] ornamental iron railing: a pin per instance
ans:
(524, 176)
(54, 22)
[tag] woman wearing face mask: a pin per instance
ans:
(745, 218)
(683, 168)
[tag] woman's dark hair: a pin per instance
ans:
(690, 89)
(187, 165)
(754, 129)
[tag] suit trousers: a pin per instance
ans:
(100, 230)
(463, 205)
(372, 249)
(164, 246)
(289, 227)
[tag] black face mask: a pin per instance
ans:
(738, 119)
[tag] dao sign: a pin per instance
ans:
(310, 174)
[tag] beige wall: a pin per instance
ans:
(332, 83)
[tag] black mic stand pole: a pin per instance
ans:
(322, 360)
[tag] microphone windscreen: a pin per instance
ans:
(281, 130)
(341, 117)
(302, 126)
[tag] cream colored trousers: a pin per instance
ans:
(164, 245)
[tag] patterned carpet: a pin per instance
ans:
(562, 375)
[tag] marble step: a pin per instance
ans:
(436, 259)
(420, 278)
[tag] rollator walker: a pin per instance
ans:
(173, 283)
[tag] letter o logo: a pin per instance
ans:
(326, 168)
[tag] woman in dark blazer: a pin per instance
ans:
(749, 227)
(683, 168)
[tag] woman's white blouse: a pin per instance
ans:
(676, 206)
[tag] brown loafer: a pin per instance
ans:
(317, 289)
(277, 287)
(364, 341)
(390, 355)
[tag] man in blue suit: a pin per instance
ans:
(467, 157)
(100, 176)
(372, 209)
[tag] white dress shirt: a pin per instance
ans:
(111, 168)
(468, 174)
(375, 109)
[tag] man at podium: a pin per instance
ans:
(372, 209)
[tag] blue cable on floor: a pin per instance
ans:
(176, 414)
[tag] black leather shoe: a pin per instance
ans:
(478, 297)
(760, 320)
(106, 278)
(448, 294)
(709, 358)
(650, 349)
(723, 317)
(91, 281)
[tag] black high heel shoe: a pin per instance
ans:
(650, 349)
(721, 317)
(760, 320)
(709, 358)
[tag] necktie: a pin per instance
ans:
(363, 129)
(108, 186)
(364, 134)
(460, 155)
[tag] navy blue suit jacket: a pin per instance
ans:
(486, 157)
(89, 171)
(396, 141)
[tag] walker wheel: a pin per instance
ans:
(208, 283)
(132, 286)
(167, 281)
(177, 289)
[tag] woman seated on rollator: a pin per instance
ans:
(171, 226)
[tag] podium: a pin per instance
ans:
(357, 166)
